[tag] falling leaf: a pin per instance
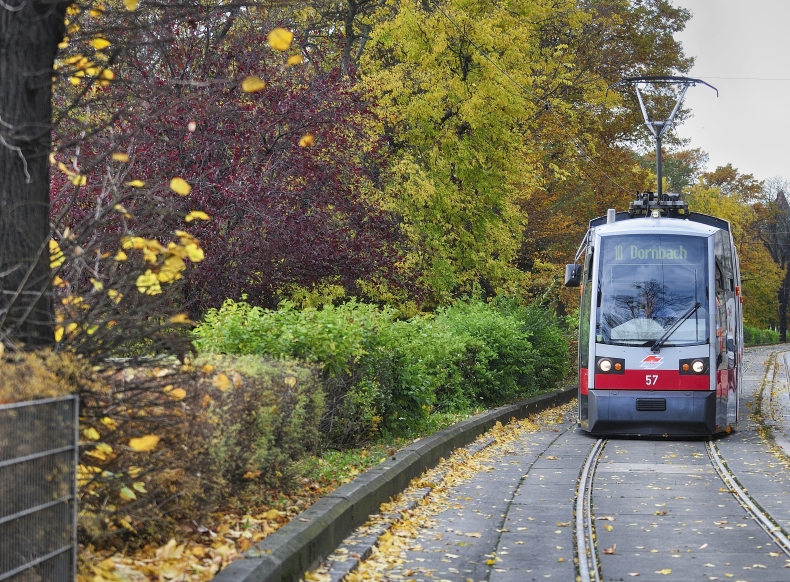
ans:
(120, 157)
(108, 422)
(180, 186)
(474, 534)
(552, 458)
(131, 5)
(609, 527)
(252, 84)
(59, 331)
(99, 43)
(139, 486)
(633, 573)
(194, 252)
(703, 546)
(191, 126)
(490, 562)
(222, 382)
(563, 524)
(251, 474)
(120, 256)
(148, 283)
(136, 183)
(290, 381)
(610, 551)
(181, 318)
(196, 215)
(307, 141)
(664, 572)
(774, 554)
(294, 60)
(144, 444)
(280, 39)
(97, 285)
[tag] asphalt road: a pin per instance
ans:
(661, 511)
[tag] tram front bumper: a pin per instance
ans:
(652, 412)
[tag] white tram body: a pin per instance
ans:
(660, 334)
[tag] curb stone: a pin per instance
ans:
(305, 541)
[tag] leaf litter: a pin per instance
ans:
(387, 559)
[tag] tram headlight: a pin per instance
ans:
(698, 366)
(604, 365)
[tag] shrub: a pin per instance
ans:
(246, 420)
(753, 336)
(380, 372)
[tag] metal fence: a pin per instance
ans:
(39, 443)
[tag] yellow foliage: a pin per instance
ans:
(144, 444)
(196, 215)
(280, 39)
(99, 43)
(91, 434)
(148, 283)
(252, 84)
(41, 374)
(56, 256)
(180, 186)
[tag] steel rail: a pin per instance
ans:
(763, 519)
(585, 533)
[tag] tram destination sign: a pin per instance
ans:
(650, 252)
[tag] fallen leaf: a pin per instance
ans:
(144, 444)
(610, 551)
(252, 84)
(664, 572)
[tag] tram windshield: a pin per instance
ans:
(649, 284)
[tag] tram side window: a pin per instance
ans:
(721, 300)
(584, 312)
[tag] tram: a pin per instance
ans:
(661, 329)
(660, 334)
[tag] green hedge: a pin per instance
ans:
(753, 336)
(382, 373)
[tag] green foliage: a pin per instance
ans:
(753, 336)
(385, 374)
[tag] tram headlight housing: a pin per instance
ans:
(604, 365)
(694, 366)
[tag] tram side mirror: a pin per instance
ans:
(573, 275)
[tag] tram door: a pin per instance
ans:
(727, 340)
(585, 313)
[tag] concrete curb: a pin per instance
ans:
(305, 541)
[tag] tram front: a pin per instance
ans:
(654, 352)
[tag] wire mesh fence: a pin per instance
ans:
(39, 443)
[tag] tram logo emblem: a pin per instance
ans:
(651, 361)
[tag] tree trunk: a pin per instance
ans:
(30, 31)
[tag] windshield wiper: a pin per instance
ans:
(660, 341)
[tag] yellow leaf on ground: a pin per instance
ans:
(144, 444)
(272, 514)
(664, 572)
(280, 39)
(252, 84)
(180, 186)
(222, 382)
(178, 394)
(207, 369)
